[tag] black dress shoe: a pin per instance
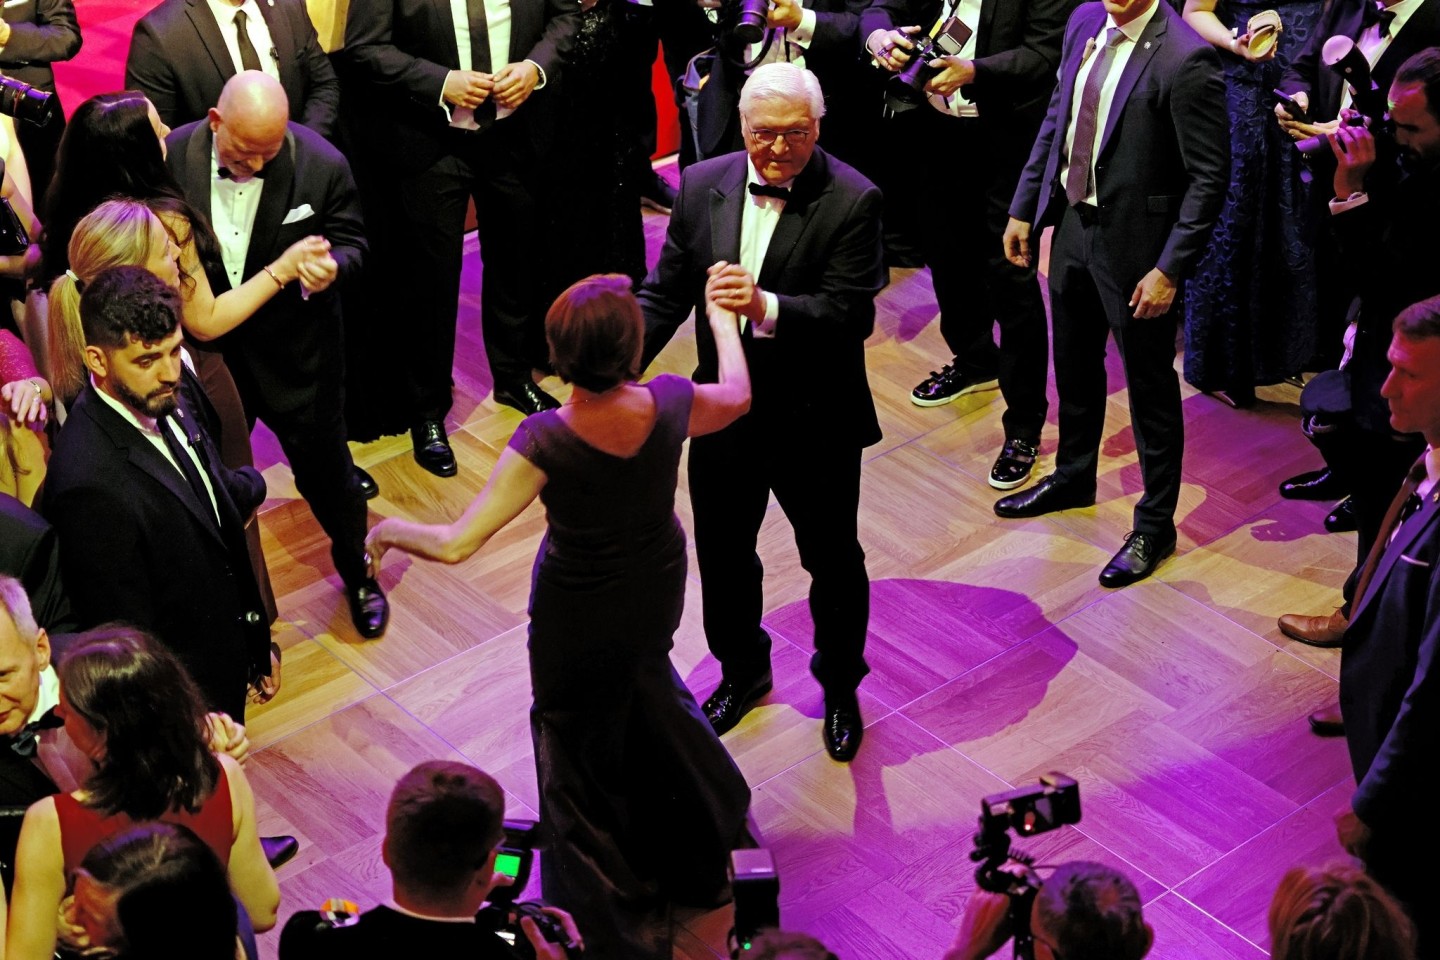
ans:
(1047, 496)
(369, 610)
(1327, 722)
(432, 448)
(364, 484)
(1136, 560)
(1342, 518)
(656, 193)
(731, 701)
(843, 728)
(1315, 485)
(525, 397)
(279, 850)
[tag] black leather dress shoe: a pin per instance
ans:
(1342, 518)
(432, 448)
(364, 484)
(369, 610)
(1315, 485)
(1327, 722)
(1136, 560)
(1047, 496)
(843, 728)
(279, 850)
(732, 700)
(525, 397)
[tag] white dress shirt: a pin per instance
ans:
(1373, 45)
(1131, 31)
(968, 13)
(786, 46)
(233, 205)
(255, 27)
(497, 35)
(758, 219)
(149, 428)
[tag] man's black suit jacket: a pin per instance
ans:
(1343, 18)
(404, 49)
(833, 56)
(138, 546)
(292, 349)
(41, 32)
(1388, 683)
(179, 60)
(384, 932)
(1017, 48)
(29, 553)
(824, 263)
(1162, 165)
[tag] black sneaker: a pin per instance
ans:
(1013, 466)
(940, 388)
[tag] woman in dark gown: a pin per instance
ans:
(1250, 308)
(639, 801)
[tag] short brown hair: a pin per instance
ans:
(1419, 321)
(596, 333)
(1093, 912)
(443, 820)
(1336, 912)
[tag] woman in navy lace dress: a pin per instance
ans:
(1250, 308)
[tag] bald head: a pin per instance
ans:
(249, 122)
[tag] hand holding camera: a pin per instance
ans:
(785, 14)
(1354, 150)
(952, 74)
(891, 49)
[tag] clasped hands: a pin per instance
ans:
(892, 50)
(310, 262)
(509, 86)
(731, 287)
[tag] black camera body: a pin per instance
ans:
(906, 89)
(1027, 811)
(20, 100)
(502, 913)
(1342, 56)
(745, 20)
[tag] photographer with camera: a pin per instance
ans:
(1084, 910)
(968, 90)
(443, 831)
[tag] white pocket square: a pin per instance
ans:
(1415, 563)
(298, 213)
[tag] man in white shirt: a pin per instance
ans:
(183, 51)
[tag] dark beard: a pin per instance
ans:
(158, 404)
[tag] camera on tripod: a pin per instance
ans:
(1027, 811)
(906, 89)
(502, 913)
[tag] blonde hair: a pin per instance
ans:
(1337, 912)
(115, 234)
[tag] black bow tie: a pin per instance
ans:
(25, 742)
(1373, 13)
(766, 190)
(227, 174)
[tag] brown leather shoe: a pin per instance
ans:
(1327, 722)
(1315, 631)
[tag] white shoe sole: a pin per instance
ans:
(972, 388)
(1000, 485)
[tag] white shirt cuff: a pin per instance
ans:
(1356, 199)
(803, 34)
(766, 327)
(540, 70)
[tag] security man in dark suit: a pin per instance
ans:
(1131, 166)
(968, 142)
(789, 238)
(183, 51)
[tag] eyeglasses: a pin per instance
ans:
(767, 138)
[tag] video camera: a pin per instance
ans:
(502, 913)
(1028, 811)
(1341, 55)
(906, 89)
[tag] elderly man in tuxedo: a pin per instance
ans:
(266, 183)
(1390, 659)
(1131, 167)
(789, 238)
(460, 110)
(183, 51)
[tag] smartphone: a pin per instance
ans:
(1292, 106)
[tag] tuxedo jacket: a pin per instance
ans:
(833, 56)
(1017, 48)
(29, 553)
(1162, 163)
(290, 354)
(384, 932)
(1343, 18)
(178, 58)
(41, 32)
(138, 546)
(1389, 674)
(825, 265)
(402, 51)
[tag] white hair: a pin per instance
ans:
(15, 604)
(783, 81)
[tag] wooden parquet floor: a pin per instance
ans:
(996, 656)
